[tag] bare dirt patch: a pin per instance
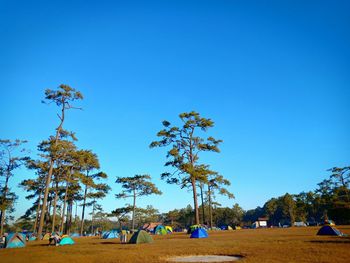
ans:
(205, 258)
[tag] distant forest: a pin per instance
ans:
(330, 201)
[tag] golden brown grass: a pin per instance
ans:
(256, 245)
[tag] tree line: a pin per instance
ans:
(329, 201)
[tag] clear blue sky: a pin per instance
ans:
(273, 75)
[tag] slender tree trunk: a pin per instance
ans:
(37, 213)
(54, 209)
(195, 201)
(291, 216)
(47, 217)
(133, 212)
(2, 222)
(83, 211)
(67, 219)
(92, 219)
(48, 178)
(3, 211)
(76, 213)
(46, 195)
(65, 201)
(64, 207)
(202, 199)
(210, 208)
(70, 217)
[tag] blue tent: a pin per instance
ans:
(199, 233)
(329, 231)
(15, 240)
(32, 238)
(75, 235)
(66, 241)
(111, 234)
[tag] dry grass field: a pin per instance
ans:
(255, 245)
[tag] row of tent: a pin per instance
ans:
(157, 229)
(17, 240)
(142, 236)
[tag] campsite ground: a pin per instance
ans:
(255, 245)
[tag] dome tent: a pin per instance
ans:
(46, 236)
(160, 230)
(226, 227)
(169, 229)
(15, 240)
(199, 233)
(66, 241)
(194, 227)
(329, 231)
(111, 234)
(140, 236)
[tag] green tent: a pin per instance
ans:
(160, 230)
(140, 236)
(66, 241)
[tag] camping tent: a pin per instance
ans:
(160, 230)
(150, 226)
(15, 240)
(192, 228)
(226, 227)
(111, 234)
(75, 235)
(199, 233)
(329, 231)
(46, 236)
(140, 236)
(300, 224)
(169, 229)
(66, 241)
(255, 225)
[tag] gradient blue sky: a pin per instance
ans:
(273, 75)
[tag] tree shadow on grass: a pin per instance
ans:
(41, 245)
(108, 243)
(335, 241)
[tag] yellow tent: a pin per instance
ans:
(229, 228)
(46, 236)
(169, 229)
